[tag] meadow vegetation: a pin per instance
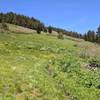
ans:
(42, 67)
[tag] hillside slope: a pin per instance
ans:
(41, 67)
(19, 29)
(16, 28)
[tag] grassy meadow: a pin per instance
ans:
(42, 67)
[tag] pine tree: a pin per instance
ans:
(50, 29)
(39, 29)
(98, 31)
(98, 35)
(90, 36)
(85, 37)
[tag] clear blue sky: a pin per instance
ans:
(75, 15)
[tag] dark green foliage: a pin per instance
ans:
(94, 62)
(20, 20)
(75, 45)
(98, 32)
(85, 37)
(50, 29)
(88, 84)
(98, 87)
(90, 36)
(39, 28)
(98, 35)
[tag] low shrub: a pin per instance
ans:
(65, 66)
(88, 84)
(98, 87)
(4, 26)
(94, 62)
(60, 36)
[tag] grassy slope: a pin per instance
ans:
(16, 28)
(40, 67)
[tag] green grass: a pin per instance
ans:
(40, 67)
